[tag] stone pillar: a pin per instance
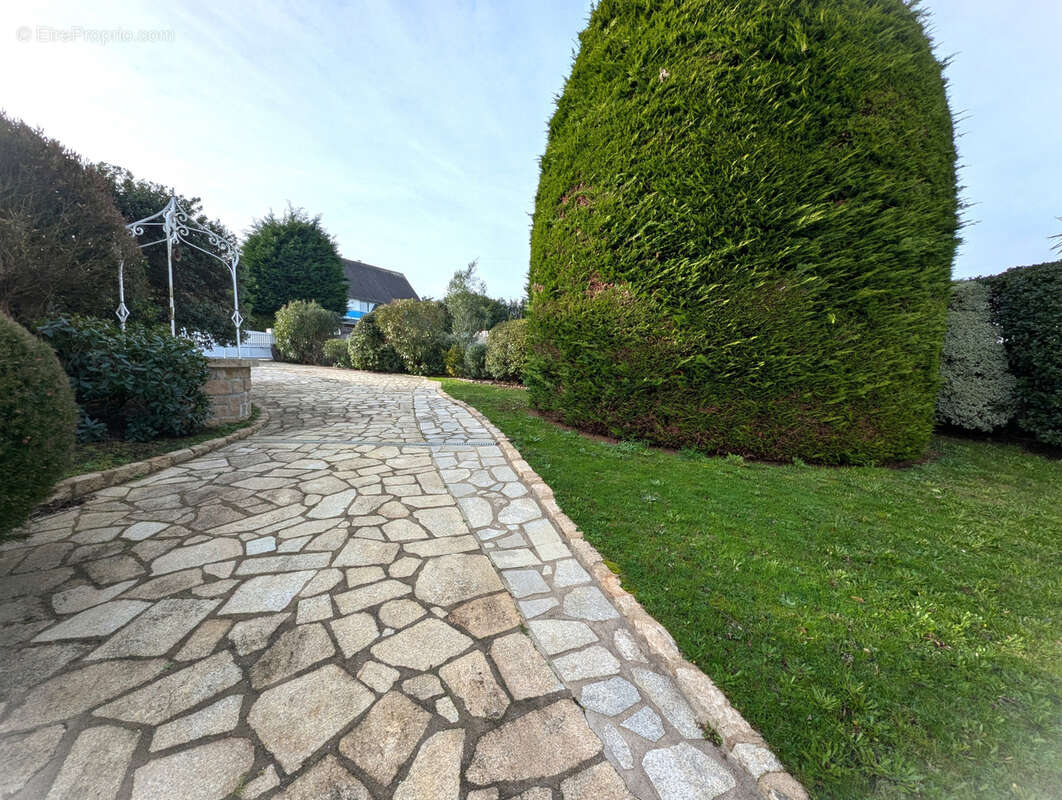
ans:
(229, 388)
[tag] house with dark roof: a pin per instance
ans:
(369, 286)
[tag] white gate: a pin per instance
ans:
(258, 344)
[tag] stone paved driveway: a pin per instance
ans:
(360, 601)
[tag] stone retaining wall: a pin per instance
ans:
(229, 389)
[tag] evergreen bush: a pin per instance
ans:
(368, 349)
(336, 353)
(418, 331)
(475, 365)
(141, 383)
(976, 388)
(744, 229)
(301, 329)
(455, 361)
(1027, 305)
(507, 350)
(37, 419)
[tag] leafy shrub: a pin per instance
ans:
(507, 350)
(300, 330)
(336, 353)
(417, 330)
(60, 234)
(37, 419)
(475, 365)
(455, 361)
(976, 389)
(141, 383)
(744, 229)
(369, 350)
(1027, 305)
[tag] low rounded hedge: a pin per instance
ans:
(37, 419)
(368, 349)
(301, 329)
(418, 330)
(142, 383)
(977, 390)
(1027, 306)
(335, 353)
(507, 350)
(475, 362)
(744, 229)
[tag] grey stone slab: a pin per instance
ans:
(519, 511)
(477, 510)
(157, 630)
(286, 563)
(265, 593)
(663, 692)
(293, 720)
(442, 521)
(314, 609)
(142, 530)
(442, 547)
(609, 697)
(73, 693)
(436, 771)
(400, 613)
(588, 602)
(510, 559)
(177, 692)
(266, 780)
(96, 764)
(292, 652)
(522, 667)
(219, 549)
(423, 646)
(332, 505)
(599, 782)
(683, 772)
(646, 723)
(113, 569)
(486, 616)
(557, 635)
(364, 552)
(79, 598)
(99, 620)
(533, 608)
(325, 780)
(404, 530)
(617, 751)
(26, 667)
(423, 687)
(204, 640)
(23, 756)
(219, 717)
(627, 647)
(370, 595)
(470, 679)
(263, 544)
(569, 573)
(451, 579)
(165, 585)
(378, 677)
(253, 634)
(524, 582)
(593, 662)
(354, 633)
(542, 743)
(209, 772)
(384, 740)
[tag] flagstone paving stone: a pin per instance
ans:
(361, 601)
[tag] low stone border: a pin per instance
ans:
(740, 741)
(78, 486)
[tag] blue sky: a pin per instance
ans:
(414, 126)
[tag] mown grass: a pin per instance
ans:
(97, 456)
(894, 633)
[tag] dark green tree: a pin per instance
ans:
(202, 285)
(292, 257)
(61, 235)
(744, 229)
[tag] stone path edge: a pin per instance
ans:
(77, 486)
(741, 743)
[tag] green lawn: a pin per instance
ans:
(892, 633)
(98, 456)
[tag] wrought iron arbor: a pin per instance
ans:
(177, 226)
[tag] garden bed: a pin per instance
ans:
(891, 632)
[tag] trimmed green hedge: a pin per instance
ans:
(37, 419)
(301, 329)
(335, 353)
(418, 331)
(141, 383)
(744, 229)
(507, 350)
(976, 388)
(1027, 305)
(368, 349)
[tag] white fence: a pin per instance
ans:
(257, 345)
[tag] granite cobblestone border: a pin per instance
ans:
(739, 740)
(72, 488)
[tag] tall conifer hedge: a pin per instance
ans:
(744, 229)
